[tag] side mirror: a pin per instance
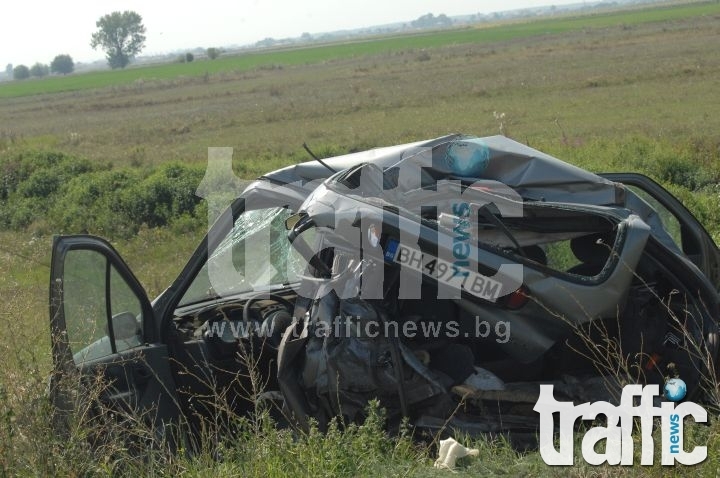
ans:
(125, 326)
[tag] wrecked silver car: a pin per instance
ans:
(445, 278)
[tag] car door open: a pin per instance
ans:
(102, 325)
(689, 235)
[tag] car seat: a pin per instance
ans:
(593, 251)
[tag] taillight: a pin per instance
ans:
(517, 299)
(653, 361)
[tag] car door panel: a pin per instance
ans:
(692, 238)
(94, 302)
(136, 381)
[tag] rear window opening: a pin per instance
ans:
(566, 241)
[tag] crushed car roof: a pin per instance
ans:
(533, 174)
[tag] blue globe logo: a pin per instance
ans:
(675, 389)
(468, 157)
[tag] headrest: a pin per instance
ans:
(593, 248)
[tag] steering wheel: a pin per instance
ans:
(263, 296)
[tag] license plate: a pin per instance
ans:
(443, 271)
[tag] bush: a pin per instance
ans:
(16, 170)
(88, 204)
(161, 197)
(30, 183)
(72, 195)
(117, 203)
(189, 57)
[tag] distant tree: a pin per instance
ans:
(429, 21)
(62, 64)
(9, 69)
(269, 41)
(443, 20)
(21, 72)
(39, 70)
(212, 53)
(121, 35)
(424, 21)
(189, 57)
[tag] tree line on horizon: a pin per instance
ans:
(120, 34)
(61, 64)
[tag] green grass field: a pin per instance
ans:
(633, 91)
(354, 49)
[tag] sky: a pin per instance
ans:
(38, 30)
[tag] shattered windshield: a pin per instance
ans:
(254, 255)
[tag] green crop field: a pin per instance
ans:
(120, 153)
(353, 49)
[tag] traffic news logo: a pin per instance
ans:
(617, 433)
